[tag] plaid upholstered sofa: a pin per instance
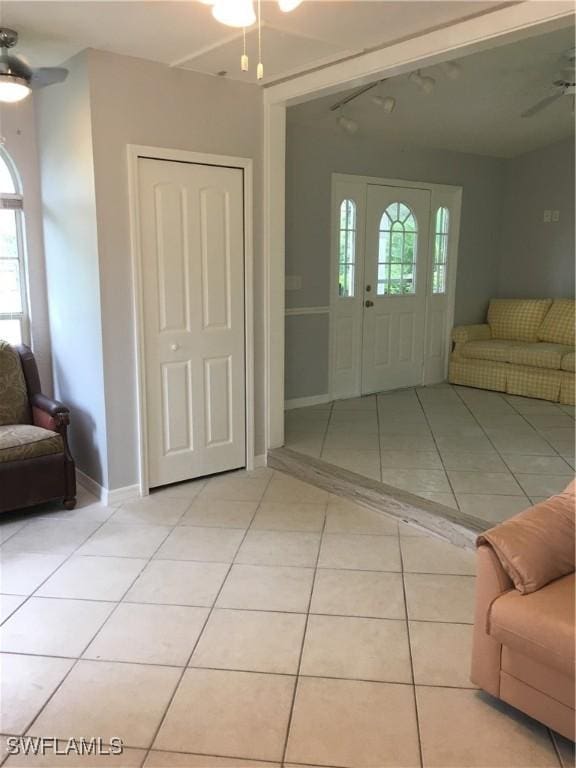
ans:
(35, 462)
(526, 347)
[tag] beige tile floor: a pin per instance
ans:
(486, 454)
(247, 620)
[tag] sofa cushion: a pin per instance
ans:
(569, 362)
(14, 407)
(539, 625)
(24, 441)
(558, 325)
(517, 319)
(496, 350)
(536, 546)
(538, 354)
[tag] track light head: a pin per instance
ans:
(347, 124)
(452, 70)
(424, 83)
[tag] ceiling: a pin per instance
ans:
(477, 113)
(183, 32)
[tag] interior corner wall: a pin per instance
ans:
(72, 269)
(134, 101)
(537, 257)
(312, 156)
(19, 131)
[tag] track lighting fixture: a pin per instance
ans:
(451, 69)
(424, 83)
(387, 103)
(347, 124)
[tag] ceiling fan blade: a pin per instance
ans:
(542, 105)
(44, 76)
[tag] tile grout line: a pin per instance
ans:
(208, 616)
(325, 435)
(303, 643)
(408, 639)
(453, 492)
(495, 449)
(78, 658)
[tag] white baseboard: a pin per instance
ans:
(305, 402)
(120, 495)
(110, 498)
(260, 461)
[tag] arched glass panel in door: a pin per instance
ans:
(397, 251)
(13, 309)
(347, 249)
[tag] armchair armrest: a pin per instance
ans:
(464, 333)
(49, 413)
(536, 546)
(492, 581)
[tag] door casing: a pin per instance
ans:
(440, 194)
(135, 152)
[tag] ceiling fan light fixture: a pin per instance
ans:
(288, 5)
(13, 89)
(234, 13)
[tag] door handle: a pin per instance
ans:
(174, 347)
(368, 303)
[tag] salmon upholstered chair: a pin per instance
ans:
(524, 636)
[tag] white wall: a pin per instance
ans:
(72, 268)
(537, 258)
(18, 127)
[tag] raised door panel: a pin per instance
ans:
(170, 216)
(382, 340)
(218, 400)
(177, 412)
(215, 245)
(406, 328)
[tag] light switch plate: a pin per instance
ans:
(555, 216)
(547, 216)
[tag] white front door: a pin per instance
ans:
(192, 243)
(395, 267)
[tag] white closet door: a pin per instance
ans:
(395, 276)
(192, 241)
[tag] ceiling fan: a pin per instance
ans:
(17, 78)
(564, 85)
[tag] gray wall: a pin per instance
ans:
(536, 258)
(312, 156)
(72, 268)
(154, 105)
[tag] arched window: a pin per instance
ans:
(347, 249)
(13, 304)
(440, 250)
(397, 251)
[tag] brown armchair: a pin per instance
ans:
(35, 461)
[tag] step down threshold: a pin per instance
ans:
(437, 519)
